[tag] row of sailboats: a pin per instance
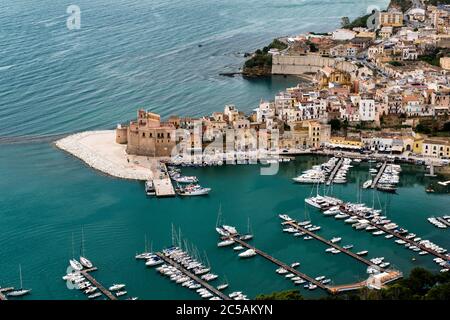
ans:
(83, 261)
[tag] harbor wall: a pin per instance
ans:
(300, 64)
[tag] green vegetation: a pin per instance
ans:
(312, 46)
(434, 57)
(335, 124)
(395, 63)
(261, 59)
(436, 2)
(358, 22)
(283, 295)
(434, 128)
(420, 285)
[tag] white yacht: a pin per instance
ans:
(225, 243)
(116, 287)
(86, 263)
(367, 184)
(285, 217)
(335, 240)
(248, 253)
(75, 265)
(95, 295)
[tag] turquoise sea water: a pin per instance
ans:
(131, 54)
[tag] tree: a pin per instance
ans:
(335, 124)
(420, 280)
(283, 295)
(440, 292)
(446, 126)
(345, 21)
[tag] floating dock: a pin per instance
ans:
(335, 170)
(378, 176)
(3, 291)
(205, 284)
(280, 264)
(331, 244)
(399, 236)
(101, 288)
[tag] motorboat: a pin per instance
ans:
(285, 217)
(222, 286)
(335, 240)
(225, 243)
(362, 253)
(185, 179)
(247, 254)
(150, 188)
(281, 271)
(193, 190)
(116, 287)
(94, 295)
(295, 264)
(154, 261)
(238, 248)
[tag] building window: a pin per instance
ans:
(143, 134)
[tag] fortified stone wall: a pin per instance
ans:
(297, 65)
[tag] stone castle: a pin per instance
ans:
(147, 136)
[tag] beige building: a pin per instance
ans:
(392, 18)
(147, 136)
(436, 148)
(445, 63)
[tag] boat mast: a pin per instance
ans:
(20, 276)
(174, 236)
(82, 241)
(145, 242)
(207, 260)
(73, 248)
(219, 215)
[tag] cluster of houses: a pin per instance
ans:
(386, 82)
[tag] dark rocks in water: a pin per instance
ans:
(246, 55)
(200, 45)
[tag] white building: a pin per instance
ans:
(367, 110)
(343, 34)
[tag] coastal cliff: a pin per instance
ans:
(260, 62)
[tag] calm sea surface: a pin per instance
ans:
(165, 56)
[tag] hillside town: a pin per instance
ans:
(384, 90)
